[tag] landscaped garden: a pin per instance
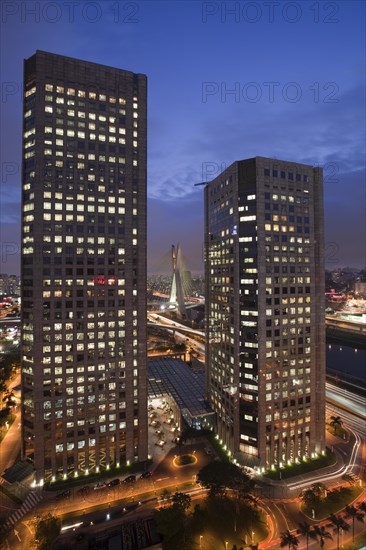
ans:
(228, 517)
(185, 460)
(324, 502)
(292, 470)
(335, 427)
(210, 523)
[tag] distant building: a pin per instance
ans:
(9, 284)
(84, 384)
(360, 288)
(3, 283)
(265, 332)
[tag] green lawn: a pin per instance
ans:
(335, 501)
(338, 431)
(303, 467)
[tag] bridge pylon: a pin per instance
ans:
(176, 293)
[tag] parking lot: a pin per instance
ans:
(162, 429)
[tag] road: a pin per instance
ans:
(286, 514)
(10, 445)
(283, 514)
(346, 401)
(170, 325)
(165, 476)
(166, 322)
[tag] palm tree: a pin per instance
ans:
(339, 523)
(362, 506)
(354, 513)
(288, 539)
(304, 530)
(336, 422)
(320, 532)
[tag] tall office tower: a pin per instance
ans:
(84, 266)
(265, 310)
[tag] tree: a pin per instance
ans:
(288, 539)
(336, 423)
(354, 513)
(339, 524)
(198, 517)
(320, 533)
(182, 501)
(304, 530)
(314, 494)
(218, 476)
(169, 523)
(362, 506)
(48, 529)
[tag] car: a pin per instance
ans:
(114, 482)
(130, 479)
(144, 475)
(160, 443)
(100, 485)
(64, 494)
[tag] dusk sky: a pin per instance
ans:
(296, 71)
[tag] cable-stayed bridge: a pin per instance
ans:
(172, 291)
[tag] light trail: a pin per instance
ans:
(333, 475)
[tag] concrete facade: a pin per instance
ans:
(83, 266)
(265, 332)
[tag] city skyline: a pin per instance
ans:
(182, 354)
(304, 103)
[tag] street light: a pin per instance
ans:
(226, 543)
(201, 537)
(253, 533)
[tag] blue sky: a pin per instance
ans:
(296, 72)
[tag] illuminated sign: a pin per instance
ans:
(101, 280)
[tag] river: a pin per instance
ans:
(347, 359)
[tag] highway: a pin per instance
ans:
(180, 332)
(346, 400)
(169, 323)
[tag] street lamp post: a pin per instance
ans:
(201, 537)
(226, 543)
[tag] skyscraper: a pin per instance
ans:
(83, 266)
(265, 332)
